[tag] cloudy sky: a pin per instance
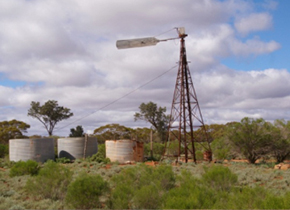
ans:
(65, 50)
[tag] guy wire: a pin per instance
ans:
(77, 120)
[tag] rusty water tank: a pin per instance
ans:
(124, 150)
(38, 149)
(74, 147)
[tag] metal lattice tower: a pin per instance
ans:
(186, 123)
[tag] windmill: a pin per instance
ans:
(186, 126)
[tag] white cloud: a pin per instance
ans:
(244, 90)
(253, 46)
(220, 42)
(253, 22)
(66, 52)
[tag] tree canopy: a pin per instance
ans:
(49, 114)
(250, 137)
(155, 115)
(112, 132)
(117, 131)
(77, 132)
(12, 129)
(280, 139)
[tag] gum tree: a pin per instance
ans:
(77, 132)
(155, 115)
(49, 114)
(12, 129)
(112, 131)
(280, 140)
(250, 137)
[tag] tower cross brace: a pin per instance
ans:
(186, 122)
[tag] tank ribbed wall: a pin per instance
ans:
(73, 148)
(124, 151)
(40, 150)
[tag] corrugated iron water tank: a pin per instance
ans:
(124, 150)
(74, 147)
(40, 150)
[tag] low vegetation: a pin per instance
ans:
(100, 157)
(141, 187)
(4, 150)
(21, 168)
(87, 184)
(97, 183)
(85, 192)
(50, 183)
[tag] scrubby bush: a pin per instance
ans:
(163, 177)
(132, 187)
(191, 194)
(147, 197)
(214, 190)
(100, 157)
(173, 148)
(4, 150)
(251, 198)
(20, 168)
(85, 192)
(219, 177)
(158, 150)
(63, 160)
(51, 182)
(199, 155)
(221, 149)
(6, 163)
(286, 199)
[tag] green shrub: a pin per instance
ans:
(132, 186)
(249, 198)
(141, 187)
(51, 182)
(221, 149)
(199, 155)
(4, 150)
(100, 157)
(29, 167)
(173, 148)
(6, 163)
(124, 185)
(219, 178)
(121, 196)
(274, 202)
(158, 150)
(213, 188)
(147, 197)
(63, 160)
(85, 192)
(286, 199)
(191, 194)
(163, 177)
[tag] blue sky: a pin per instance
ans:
(4, 81)
(278, 32)
(51, 50)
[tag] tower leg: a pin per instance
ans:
(185, 119)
